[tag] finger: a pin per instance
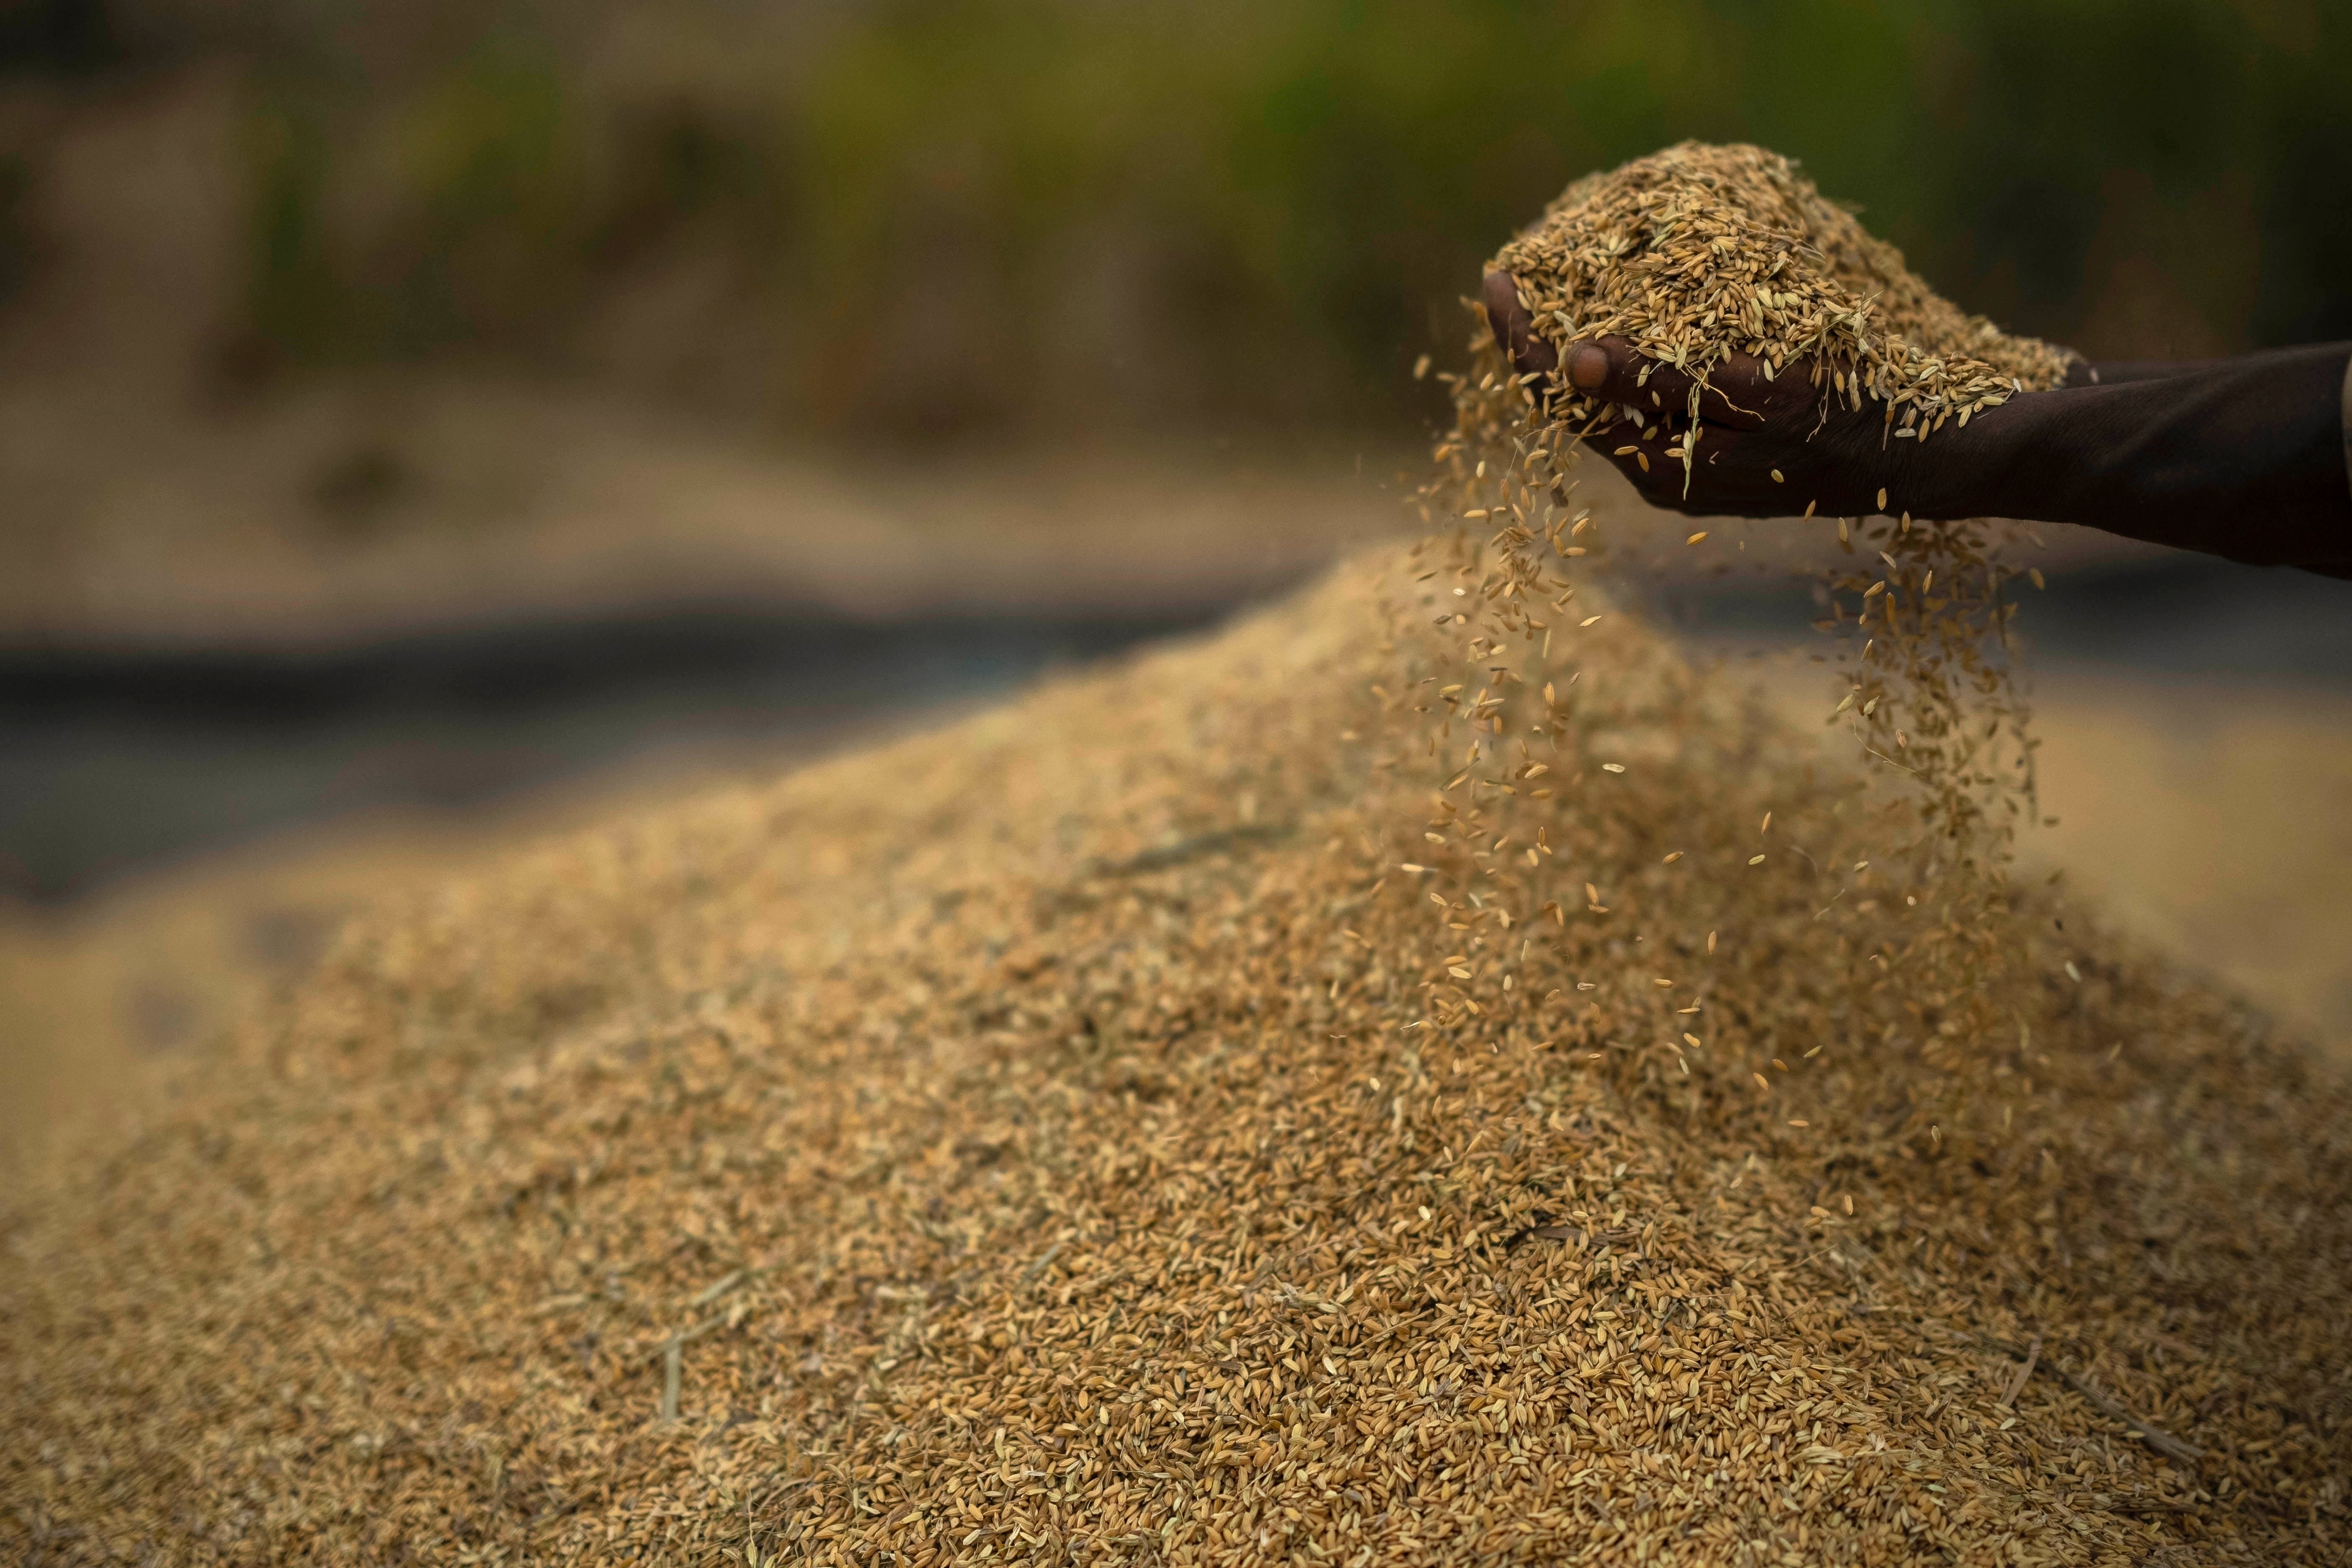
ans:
(1610, 368)
(1737, 392)
(1514, 328)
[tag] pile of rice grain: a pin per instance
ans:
(1422, 1077)
(1035, 1142)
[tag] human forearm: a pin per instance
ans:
(2243, 458)
(2118, 373)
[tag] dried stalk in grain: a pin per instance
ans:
(2163, 1442)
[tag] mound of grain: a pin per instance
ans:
(1148, 1125)
(1422, 1078)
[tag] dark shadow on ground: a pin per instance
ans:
(113, 763)
(2172, 615)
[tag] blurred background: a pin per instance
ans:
(424, 423)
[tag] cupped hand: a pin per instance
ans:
(1769, 443)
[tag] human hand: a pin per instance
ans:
(1767, 444)
(2243, 457)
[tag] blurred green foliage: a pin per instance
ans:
(975, 214)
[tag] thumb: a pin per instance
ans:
(1514, 328)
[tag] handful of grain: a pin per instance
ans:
(1698, 251)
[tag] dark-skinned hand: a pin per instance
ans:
(2244, 457)
(1769, 445)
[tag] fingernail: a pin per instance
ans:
(1588, 366)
